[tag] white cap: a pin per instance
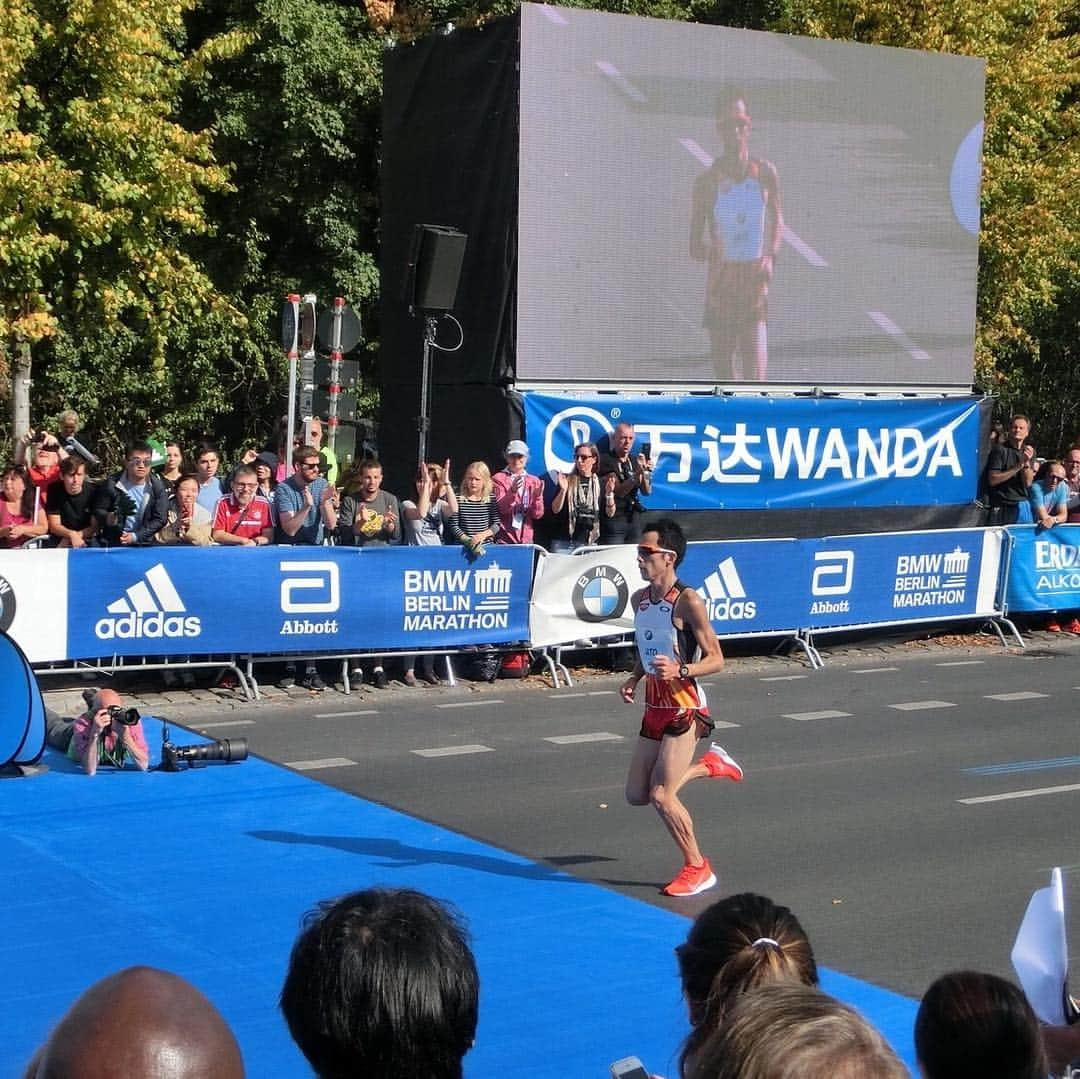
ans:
(516, 446)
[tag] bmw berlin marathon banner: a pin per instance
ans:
(781, 453)
(175, 601)
(783, 586)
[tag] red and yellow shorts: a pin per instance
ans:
(673, 708)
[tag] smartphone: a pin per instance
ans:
(629, 1068)
(646, 449)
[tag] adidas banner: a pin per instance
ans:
(191, 601)
(780, 586)
(775, 453)
(1044, 574)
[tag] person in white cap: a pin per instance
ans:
(519, 497)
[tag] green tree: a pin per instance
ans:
(101, 193)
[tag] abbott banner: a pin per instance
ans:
(776, 453)
(780, 586)
(1044, 574)
(186, 601)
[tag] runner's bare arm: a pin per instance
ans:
(691, 610)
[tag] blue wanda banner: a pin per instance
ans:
(776, 453)
(1044, 574)
(186, 601)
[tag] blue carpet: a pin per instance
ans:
(208, 873)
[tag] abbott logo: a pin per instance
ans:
(833, 576)
(316, 591)
(149, 608)
(724, 595)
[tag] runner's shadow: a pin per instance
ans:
(395, 855)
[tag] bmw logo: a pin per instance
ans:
(7, 605)
(600, 594)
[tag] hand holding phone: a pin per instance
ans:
(629, 1068)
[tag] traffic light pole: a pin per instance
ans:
(335, 372)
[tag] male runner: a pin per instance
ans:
(736, 226)
(676, 645)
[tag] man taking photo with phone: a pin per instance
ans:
(633, 477)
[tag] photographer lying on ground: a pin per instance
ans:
(106, 733)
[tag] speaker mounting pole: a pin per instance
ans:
(423, 421)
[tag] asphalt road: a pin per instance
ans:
(905, 806)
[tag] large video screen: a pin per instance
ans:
(700, 205)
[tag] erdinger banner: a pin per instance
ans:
(780, 586)
(775, 453)
(177, 601)
(1044, 574)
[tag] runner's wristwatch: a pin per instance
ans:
(684, 671)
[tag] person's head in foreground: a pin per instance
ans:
(738, 943)
(976, 1025)
(140, 1023)
(789, 1031)
(382, 984)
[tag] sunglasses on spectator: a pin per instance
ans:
(1055, 478)
(645, 551)
(310, 465)
(139, 462)
(585, 456)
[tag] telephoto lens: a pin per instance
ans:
(227, 750)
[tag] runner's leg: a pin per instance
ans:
(668, 775)
(641, 767)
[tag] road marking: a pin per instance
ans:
(783, 678)
(962, 663)
(1021, 766)
(227, 723)
(828, 714)
(691, 146)
(791, 238)
(921, 706)
(469, 704)
(874, 670)
(901, 338)
(342, 715)
(1021, 695)
(804, 249)
(1009, 795)
(622, 82)
(723, 725)
(575, 739)
(452, 751)
(566, 696)
(325, 762)
(600, 692)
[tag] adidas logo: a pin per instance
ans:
(724, 595)
(149, 608)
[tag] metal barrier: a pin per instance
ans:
(344, 604)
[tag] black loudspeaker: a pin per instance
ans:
(434, 268)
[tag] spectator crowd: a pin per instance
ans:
(383, 983)
(166, 495)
